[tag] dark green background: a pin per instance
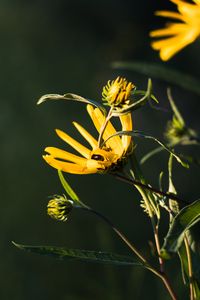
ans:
(67, 46)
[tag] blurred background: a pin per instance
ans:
(68, 46)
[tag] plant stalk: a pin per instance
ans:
(190, 272)
(161, 275)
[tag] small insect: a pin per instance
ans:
(98, 157)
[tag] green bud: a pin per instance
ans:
(177, 133)
(59, 208)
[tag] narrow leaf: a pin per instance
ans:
(175, 109)
(67, 187)
(69, 96)
(162, 72)
(194, 243)
(136, 133)
(183, 221)
(81, 255)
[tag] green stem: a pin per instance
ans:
(150, 188)
(138, 175)
(118, 232)
(161, 275)
(190, 272)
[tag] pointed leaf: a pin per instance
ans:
(81, 255)
(183, 221)
(137, 133)
(69, 96)
(67, 187)
(162, 72)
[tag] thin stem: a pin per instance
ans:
(154, 226)
(161, 262)
(118, 232)
(169, 287)
(146, 195)
(190, 273)
(140, 184)
(150, 188)
(161, 275)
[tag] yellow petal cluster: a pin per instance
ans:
(117, 92)
(95, 159)
(59, 208)
(176, 35)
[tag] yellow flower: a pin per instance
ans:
(177, 35)
(98, 159)
(59, 208)
(117, 92)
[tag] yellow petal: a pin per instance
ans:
(170, 46)
(127, 125)
(197, 2)
(68, 167)
(64, 155)
(188, 10)
(89, 138)
(172, 29)
(169, 14)
(98, 119)
(73, 143)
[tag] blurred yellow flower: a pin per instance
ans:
(177, 35)
(98, 159)
(117, 92)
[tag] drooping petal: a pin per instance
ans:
(73, 143)
(98, 119)
(64, 155)
(127, 125)
(68, 167)
(89, 138)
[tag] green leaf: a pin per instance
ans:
(137, 133)
(67, 187)
(193, 239)
(189, 159)
(183, 221)
(81, 255)
(162, 72)
(150, 154)
(69, 96)
(175, 109)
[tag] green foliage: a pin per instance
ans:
(81, 255)
(67, 187)
(162, 72)
(71, 97)
(137, 133)
(194, 246)
(183, 221)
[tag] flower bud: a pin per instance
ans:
(117, 92)
(59, 208)
(177, 133)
